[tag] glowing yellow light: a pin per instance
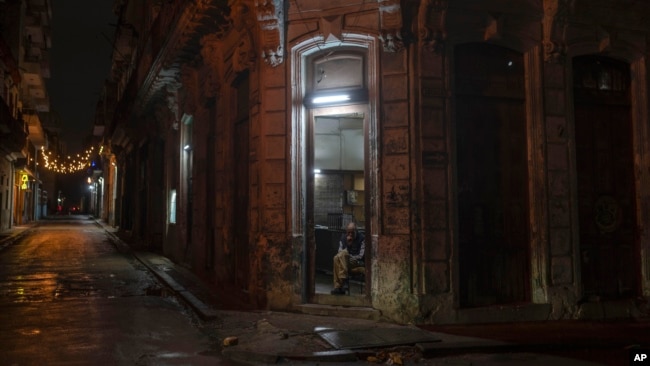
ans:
(68, 165)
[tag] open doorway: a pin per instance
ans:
(334, 166)
(336, 189)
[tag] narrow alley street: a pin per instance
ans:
(68, 296)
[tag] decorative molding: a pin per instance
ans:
(243, 57)
(605, 39)
(271, 19)
(186, 22)
(212, 54)
(331, 27)
(390, 12)
(190, 88)
(432, 24)
(244, 53)
(494, 27)
(171, 98)
(554, 25)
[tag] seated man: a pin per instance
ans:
(352, 247)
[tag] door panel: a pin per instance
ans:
(492, 201)
(606, 200)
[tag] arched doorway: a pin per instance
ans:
(492, 176)
(345, 74)
(605, 178)
(336, 100)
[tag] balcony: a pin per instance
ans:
(13, 132)
(34, 94)
(35, 130)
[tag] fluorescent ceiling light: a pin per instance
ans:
(331, 99)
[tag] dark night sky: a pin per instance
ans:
(79, 64)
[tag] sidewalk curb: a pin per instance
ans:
(204, 311)
(10, 239)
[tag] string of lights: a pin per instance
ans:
(69, 164)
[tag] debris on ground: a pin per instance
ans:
(396, 356)
(230, 341)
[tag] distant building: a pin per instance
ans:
(494, 153)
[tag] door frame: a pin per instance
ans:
(625, 101)
(309, 176)
(300, 52)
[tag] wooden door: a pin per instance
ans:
(608, 234)
(492, 176)
(606, 201)
(492, 202)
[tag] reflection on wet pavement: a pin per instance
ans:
(69, 296)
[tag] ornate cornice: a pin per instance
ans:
(194, 19)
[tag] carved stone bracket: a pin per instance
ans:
(190, 88)
(211, 51)
(271, 19)
(171, 97)
(494, 27)
(390, 12)
(554, 25)
(432, 28)
(244, 54)
(605, 39)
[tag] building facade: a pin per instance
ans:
(493, 153)
(25, 41)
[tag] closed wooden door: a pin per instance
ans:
(492, 202)
(608, 234)
(606, 201)
(492, 176)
